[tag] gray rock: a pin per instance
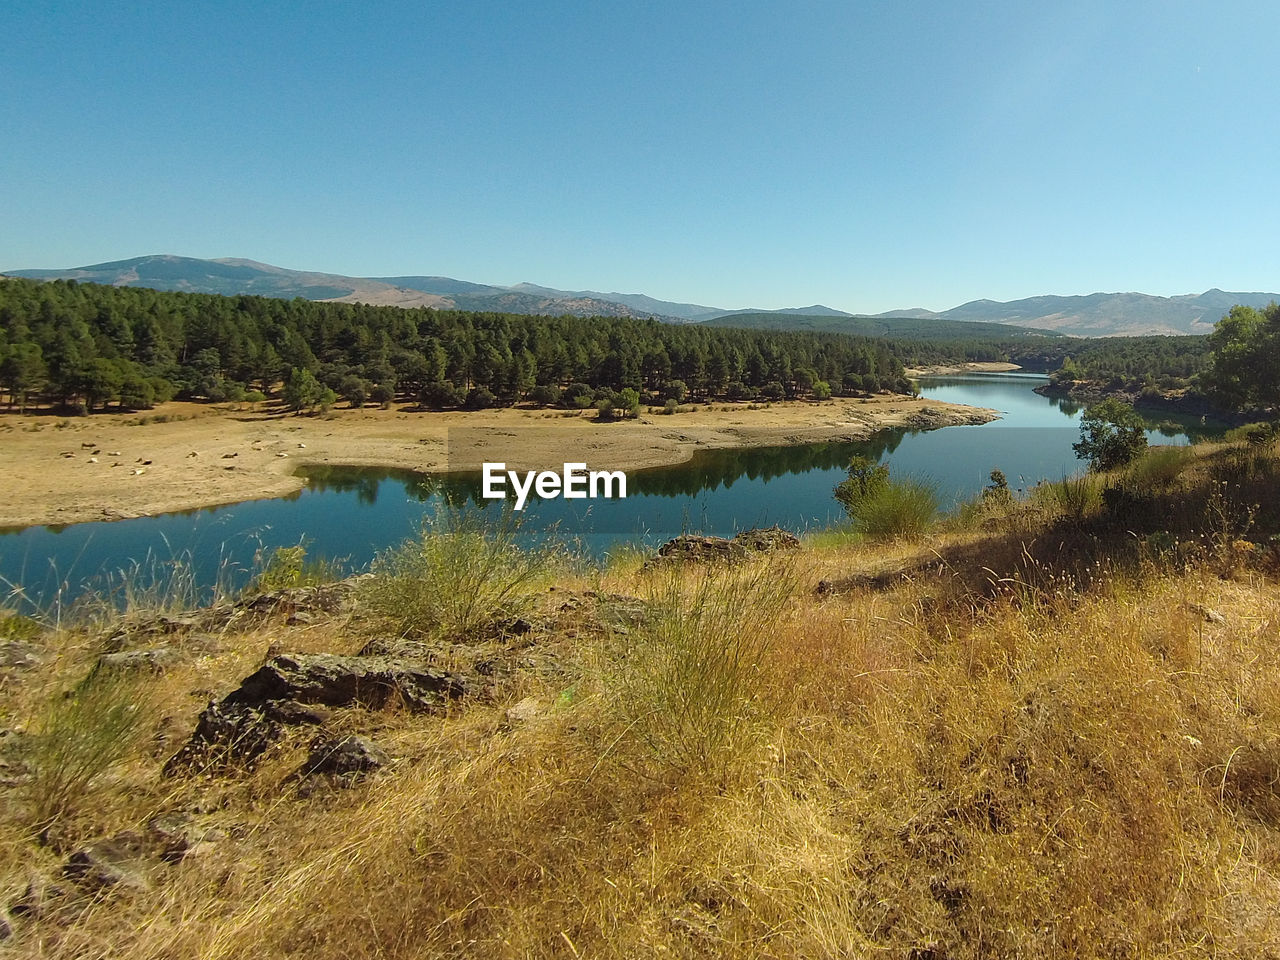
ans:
(348, 756)
(523, 712)
(226, 736)
(18, 655)
(44, 898)
(153, 659)
(697, 549)
(333, 680)
(768, 539)
(293, 690)
(112, 863)
(178, 837)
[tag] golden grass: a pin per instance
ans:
(1087, 770)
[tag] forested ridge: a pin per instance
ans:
(85, 345)
(89, 346)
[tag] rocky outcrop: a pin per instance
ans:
(294, 690)
(335, 681)
(698, 549)
(346, 758)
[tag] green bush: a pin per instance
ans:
(882, 508)
(901, 509)
(289, 567)
(460, 577)
(1159, 467)
(865, 478)
(1075, 496)
(1252, 433)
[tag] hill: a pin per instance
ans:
(1093, 315)
(1110, 314)
(890, 327)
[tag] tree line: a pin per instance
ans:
(89, 347)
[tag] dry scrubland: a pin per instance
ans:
(1047, 728)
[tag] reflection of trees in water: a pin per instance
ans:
(456, 490)
(707, 470)
(712, 469)
(1068, 406)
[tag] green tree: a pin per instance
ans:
(22, 370)
(1245, 366)
(629, 401)
(1111, 435)
(354, 390)
(302, 391)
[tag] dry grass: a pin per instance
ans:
(1069, 766)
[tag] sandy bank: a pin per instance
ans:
(976, 366)
(109, 467)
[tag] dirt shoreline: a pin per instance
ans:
(973, 366)
(112, 466)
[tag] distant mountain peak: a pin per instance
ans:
(1094, 314)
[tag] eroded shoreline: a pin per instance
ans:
(187, 456)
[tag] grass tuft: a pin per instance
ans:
(462, 575)
(79, 736)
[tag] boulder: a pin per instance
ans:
(177, 837)
(114, 863)
(698, 549)
(348, 757)
(18, 655)
(294, 690)
(768, 539)
(335, 681)
(695, 549)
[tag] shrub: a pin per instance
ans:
(900, 509)
(479, 398)
(461, 576)
(1252, 433)
(440, 394)
(997, 493)
(289, 567)
(866, 478)
(577, 396)
(1076, 496)
(1159, 467)
(81, 735)
(543, 395)
(688, 683)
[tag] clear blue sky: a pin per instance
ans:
(866, 155)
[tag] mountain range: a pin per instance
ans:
(1094, 315)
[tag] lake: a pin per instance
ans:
(349, 514)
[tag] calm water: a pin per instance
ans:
(349, 514)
